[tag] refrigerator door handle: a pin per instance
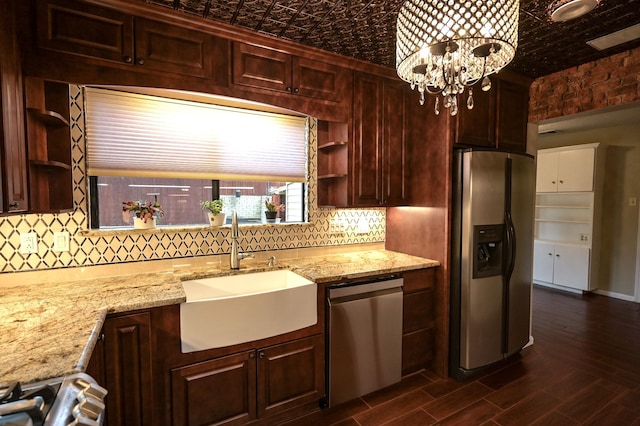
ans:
(510, 243)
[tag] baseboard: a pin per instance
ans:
(558, 287)
(616, 295)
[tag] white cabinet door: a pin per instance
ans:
(543, 255)
(575, 170)
(571, 267)
(547, 172)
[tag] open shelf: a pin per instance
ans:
(333, 164)
(49, 118)
(331, 145)
(49, 146)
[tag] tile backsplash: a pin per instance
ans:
(88, 248)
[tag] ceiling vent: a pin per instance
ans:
(614, 39)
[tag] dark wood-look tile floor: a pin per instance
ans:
(583, 369)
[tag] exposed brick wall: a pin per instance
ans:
(609, 81)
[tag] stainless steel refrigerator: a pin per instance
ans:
(491, 258)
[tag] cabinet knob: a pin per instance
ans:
(261, 354)
(127, 59)
(140, 61)
(289, 89)
(561, 181)
(252, 355)
(13, 205)
(557, 255)
(296, 90)
(553, 182)
(550, 254)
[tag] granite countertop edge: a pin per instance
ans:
(54, 333)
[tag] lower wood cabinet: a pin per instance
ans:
(418, 320)
(121, 362)
(239, 388)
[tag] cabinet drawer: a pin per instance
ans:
(421, 279)
(417, 311)
(417, 350)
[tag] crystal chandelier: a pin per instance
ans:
(445, 46)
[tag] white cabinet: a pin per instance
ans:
(567, 216)
(563, 265)
(566, 170)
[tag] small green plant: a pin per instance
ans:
(214, 206)
(143, 209)
(272, 207)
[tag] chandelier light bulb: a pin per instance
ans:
(444, 47)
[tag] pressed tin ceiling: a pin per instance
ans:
(366, 29)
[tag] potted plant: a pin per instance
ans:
(145, 213)
(272, 210)
(216, 217)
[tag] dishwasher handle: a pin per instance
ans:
(364, 288)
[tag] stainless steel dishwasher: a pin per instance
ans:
(364, 340)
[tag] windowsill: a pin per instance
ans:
(181, 228)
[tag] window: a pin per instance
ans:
(144, 147)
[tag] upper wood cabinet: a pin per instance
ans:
(380, 133)
(264, 68)
(106, 34)
(499, 117)
(13, 174)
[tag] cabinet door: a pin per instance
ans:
(543, 256)
(82, 29)
(571, 267)
(290, 374)
(547, 172)
(512, 116)
(173, 49)
(218, 391)
(263, 68)
(13, 156)
(475, 127)
(575, 170)
(315, 79)
(395, 141)
(128, 369)
(367, 141)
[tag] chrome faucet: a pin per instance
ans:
(236, 257)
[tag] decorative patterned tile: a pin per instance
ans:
(109, 249)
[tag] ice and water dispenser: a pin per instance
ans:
(487, 250)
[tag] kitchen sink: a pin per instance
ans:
(229, 310)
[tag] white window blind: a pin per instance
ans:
(139, 135)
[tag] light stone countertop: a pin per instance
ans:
(50, 330)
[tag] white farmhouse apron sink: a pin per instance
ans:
(224, 311)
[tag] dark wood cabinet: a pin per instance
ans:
(290, 374)
(477, 126)
(49, 146)
(127, 366)
(107, 34)
(239, 388)
(264, 68)
(499, 117)
(418, 320)
(512, 116)
(13, 157)
(380, 142)
(218, 391)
